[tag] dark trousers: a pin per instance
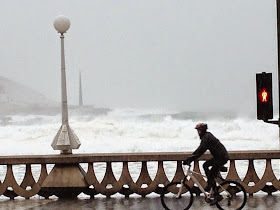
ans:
(213, 172)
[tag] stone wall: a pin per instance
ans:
(68, 179)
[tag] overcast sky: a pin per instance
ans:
(177, 54)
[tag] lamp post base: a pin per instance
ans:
(65, 152)
(65, 140)
(65, 181)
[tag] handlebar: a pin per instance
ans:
(186, 164)
(186, 167)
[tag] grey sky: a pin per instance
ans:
(184, 55)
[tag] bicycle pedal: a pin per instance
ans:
(207, 200)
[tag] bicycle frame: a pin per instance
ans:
(190, 173)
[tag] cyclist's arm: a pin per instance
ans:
(198, 152)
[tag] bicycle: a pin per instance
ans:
(178, 195)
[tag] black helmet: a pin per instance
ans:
(201, 126)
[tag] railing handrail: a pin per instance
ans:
(68, 173)
(129, 157)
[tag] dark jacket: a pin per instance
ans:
(216, 148)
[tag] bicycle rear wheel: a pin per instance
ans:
(234, 195)
(170, 199)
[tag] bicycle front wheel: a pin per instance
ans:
(176, 196)
(234, 195)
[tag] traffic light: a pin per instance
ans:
(264, 96)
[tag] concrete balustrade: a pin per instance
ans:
(68, 179)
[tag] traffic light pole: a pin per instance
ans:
(278, 53)
(277, 122)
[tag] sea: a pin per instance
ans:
(131, 130)
(134, 130)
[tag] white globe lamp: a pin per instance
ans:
(61, 24)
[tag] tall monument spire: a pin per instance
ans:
(80, 91)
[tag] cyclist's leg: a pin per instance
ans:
(206, 167)
(207, 164)
(213, 174)
(216, 167)
(211, 179)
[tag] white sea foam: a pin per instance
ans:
(131, 130)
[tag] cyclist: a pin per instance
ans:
(220, 157)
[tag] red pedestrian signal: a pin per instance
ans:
(264, 96)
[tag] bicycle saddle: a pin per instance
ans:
(223, 169)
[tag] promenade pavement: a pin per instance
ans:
(259, 202)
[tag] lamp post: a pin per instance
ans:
(65, 180)
(65, 139)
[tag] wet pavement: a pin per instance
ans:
(259, 202)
